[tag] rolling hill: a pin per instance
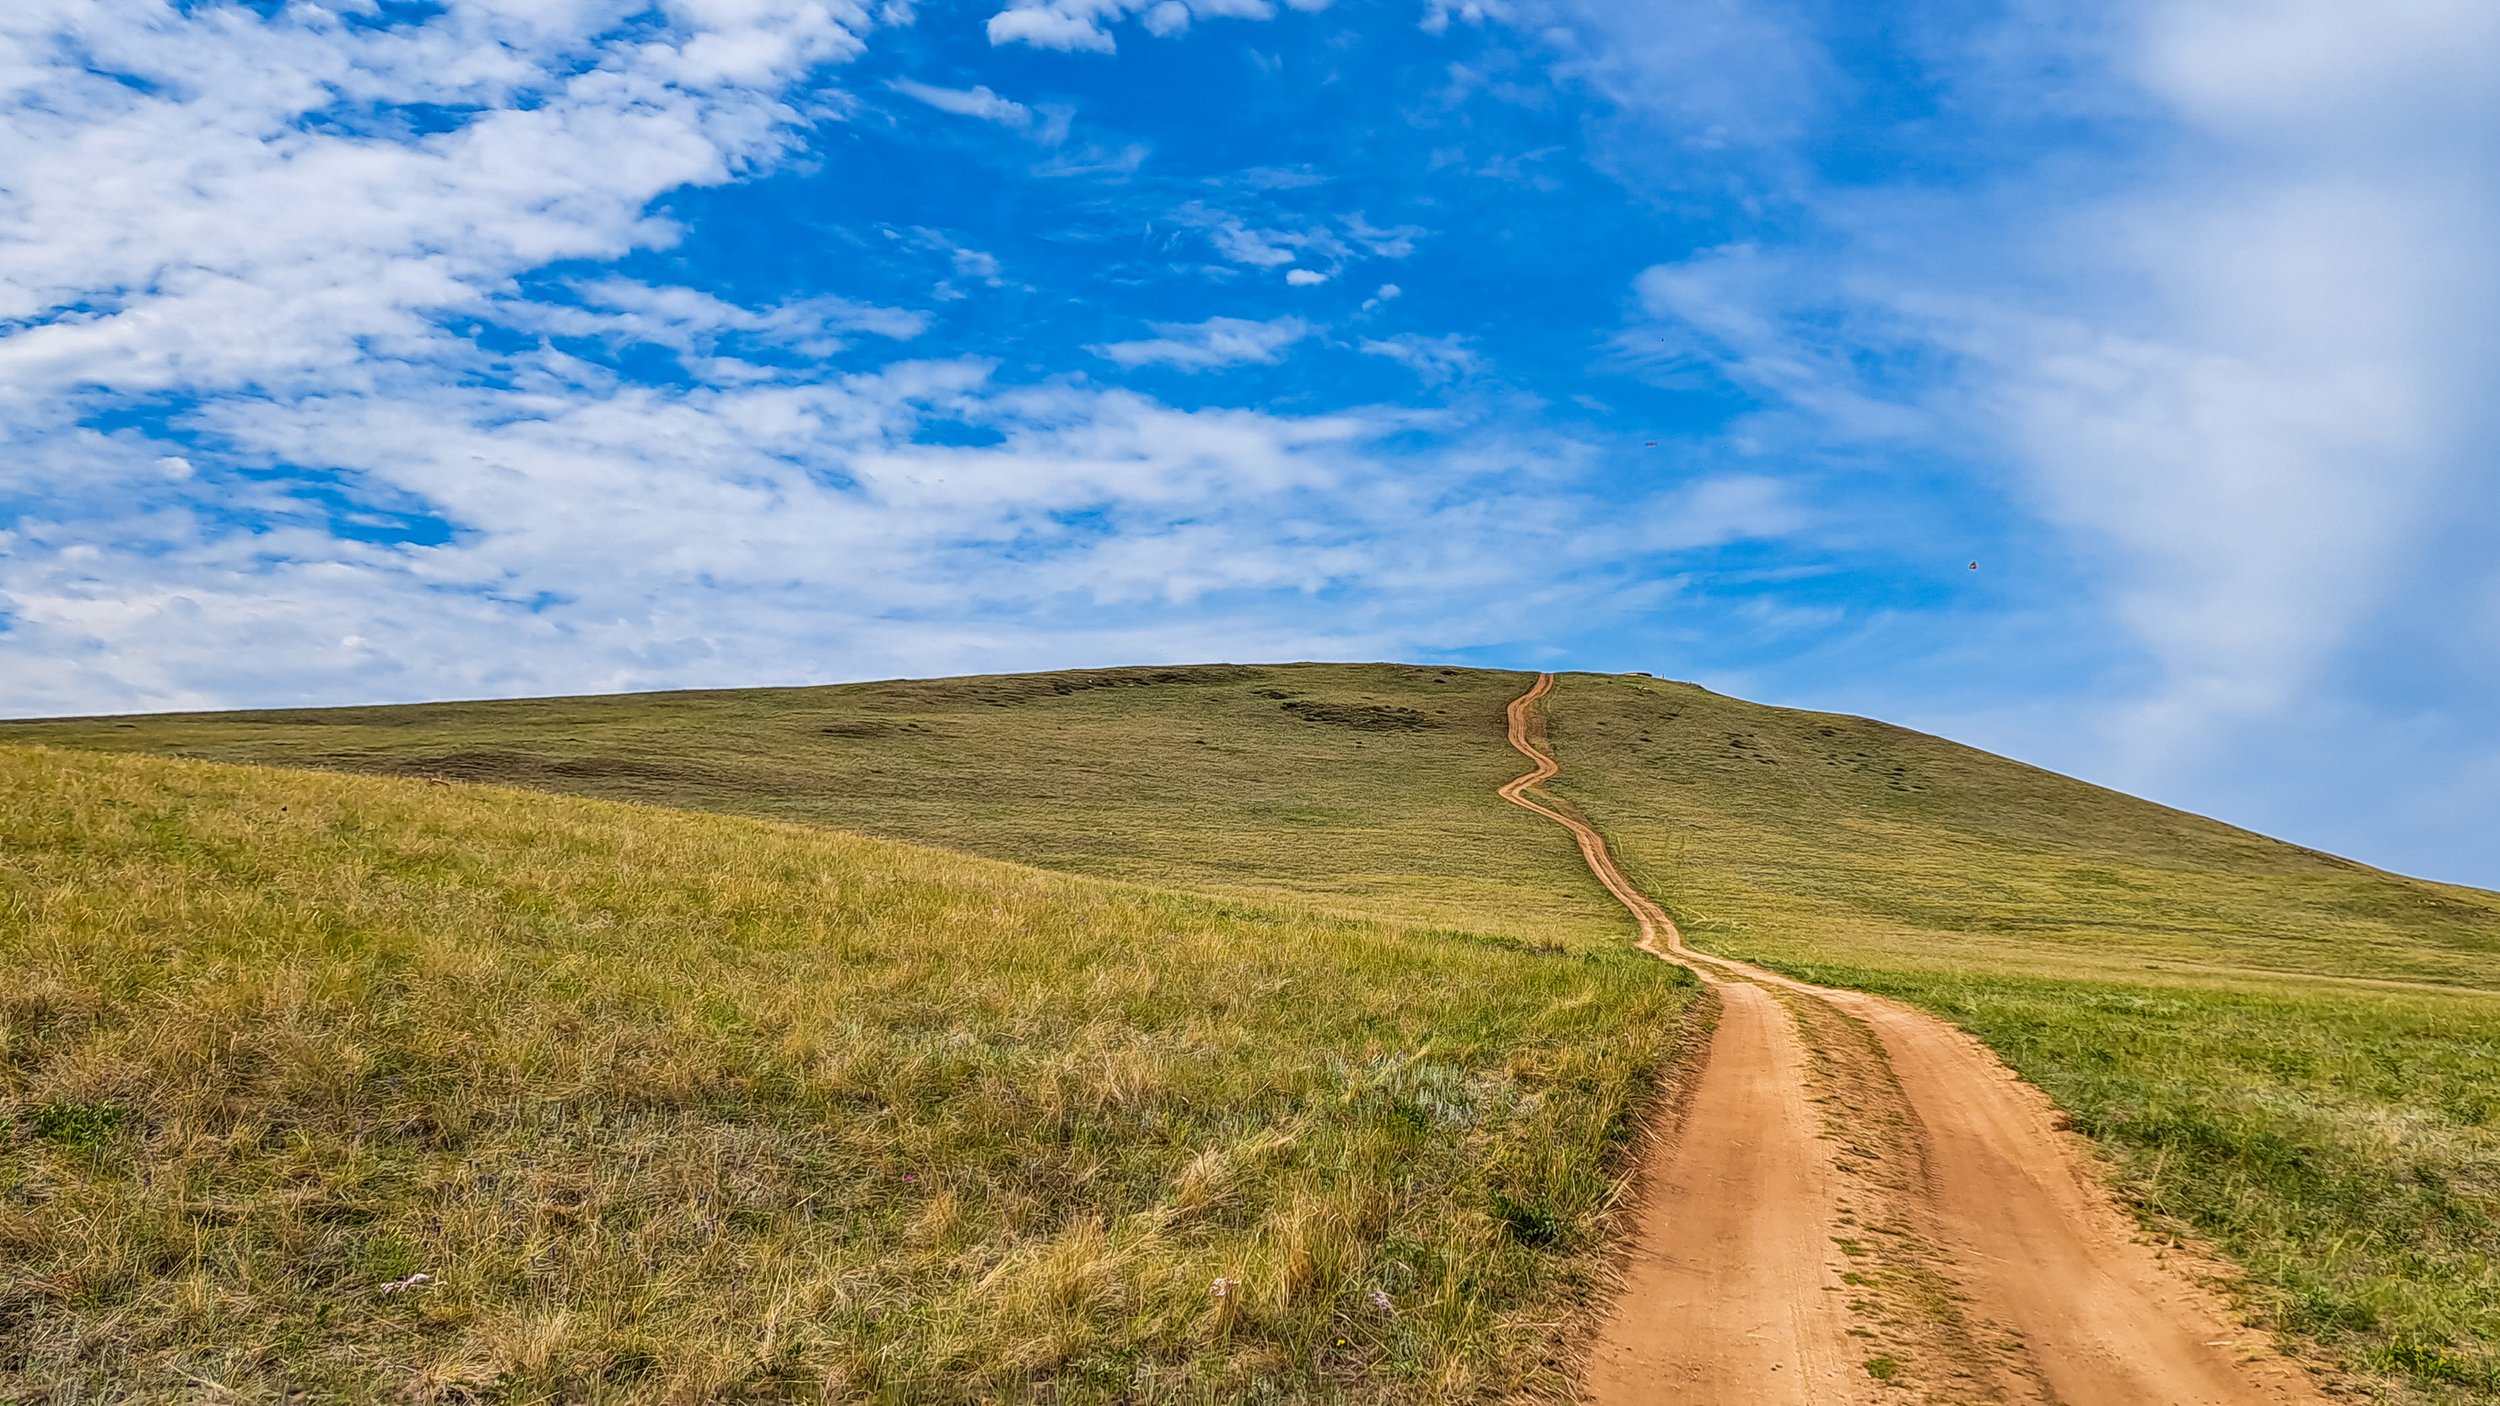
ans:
(2291, 1055)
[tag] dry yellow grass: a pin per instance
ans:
(684, 1107)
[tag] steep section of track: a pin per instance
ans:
(1732, 1295)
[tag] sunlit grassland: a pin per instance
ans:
(694, 1107)
(2295, 1055)
(1360, 788)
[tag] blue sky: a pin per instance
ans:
(398, 350)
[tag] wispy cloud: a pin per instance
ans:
(1104, 163)
(1435, 359)
(625, 311)
(963, 262)
(1216, 342)
(1273, 243)
(1084, 26)
(976, 101)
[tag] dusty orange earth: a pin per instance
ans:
(1859, 1202)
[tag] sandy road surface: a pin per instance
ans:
(1751, 1216)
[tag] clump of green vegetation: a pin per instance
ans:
(2295, 1056)
(447, 1093)
(79, 1125)
(1528, 1222)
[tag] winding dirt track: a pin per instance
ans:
(1856, 1191)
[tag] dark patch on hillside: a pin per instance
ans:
(863, 728)
(1001, 693)
(520, 768)
(1746, 747)
(1366, 717)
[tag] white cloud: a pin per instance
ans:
(972, 263)
(1700, 76)
(1779, 324)
(976, 101)
(227, 211)
(1047, 124)
(1334, 243)
(1258, 248)
(962, 260)
(1084, 25)
(1435, 359)
(1100, 162)
(1394, 242)
(1714, 511)
(2258, 383)
(620, 536)
(1073, 28)
(1305, 278)
(1439, 13)
(623, 311)
(1216, 342)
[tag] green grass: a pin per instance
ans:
(674, 1106)
(2295, 1055)
(2288, 1052)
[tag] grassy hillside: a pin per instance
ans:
(690, 1107)
(2294, 1054)
(2297, 1055)
(1363, 788)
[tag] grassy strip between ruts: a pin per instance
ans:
(696, 1107)
(2332, 1125)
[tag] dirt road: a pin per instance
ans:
(1859, 1202)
